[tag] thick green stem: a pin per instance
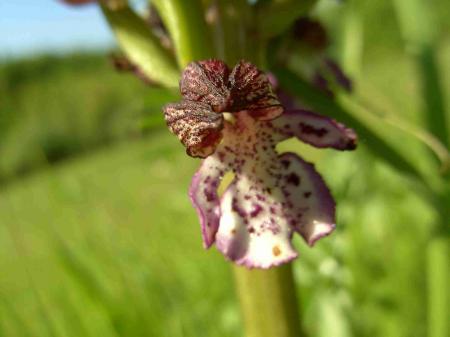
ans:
(231, 25)
(268, 302)
(186, 24)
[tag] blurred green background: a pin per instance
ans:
(98, 237)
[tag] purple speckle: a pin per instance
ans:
(237, 208)
(293, 178)
(209, 195)
(256, 210)
(221, 156)
(309, 129)
(286, 163)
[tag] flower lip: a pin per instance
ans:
(272, 196)
(233, 119)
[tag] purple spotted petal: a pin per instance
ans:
(206, 82)
(250, 90)
(314, 129)
(310, 207)
(253, 230)
(203, 194)
(197, 127)
(270, 197)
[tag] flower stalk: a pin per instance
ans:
(268, 301)
(187, 27)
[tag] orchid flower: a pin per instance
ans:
(233, 119)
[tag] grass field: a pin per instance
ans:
(98, 236)
(108, 246)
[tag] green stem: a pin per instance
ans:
(268, 302)
(141, 47)
(435, 115)
(187, 27)
(233, 24)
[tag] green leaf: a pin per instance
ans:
(324, 104)
(141, 46)
(432, 91)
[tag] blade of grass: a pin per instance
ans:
(83, 272)
(419, 32)
(19, 244)
(11, 315)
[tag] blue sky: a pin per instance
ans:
(36, 26)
